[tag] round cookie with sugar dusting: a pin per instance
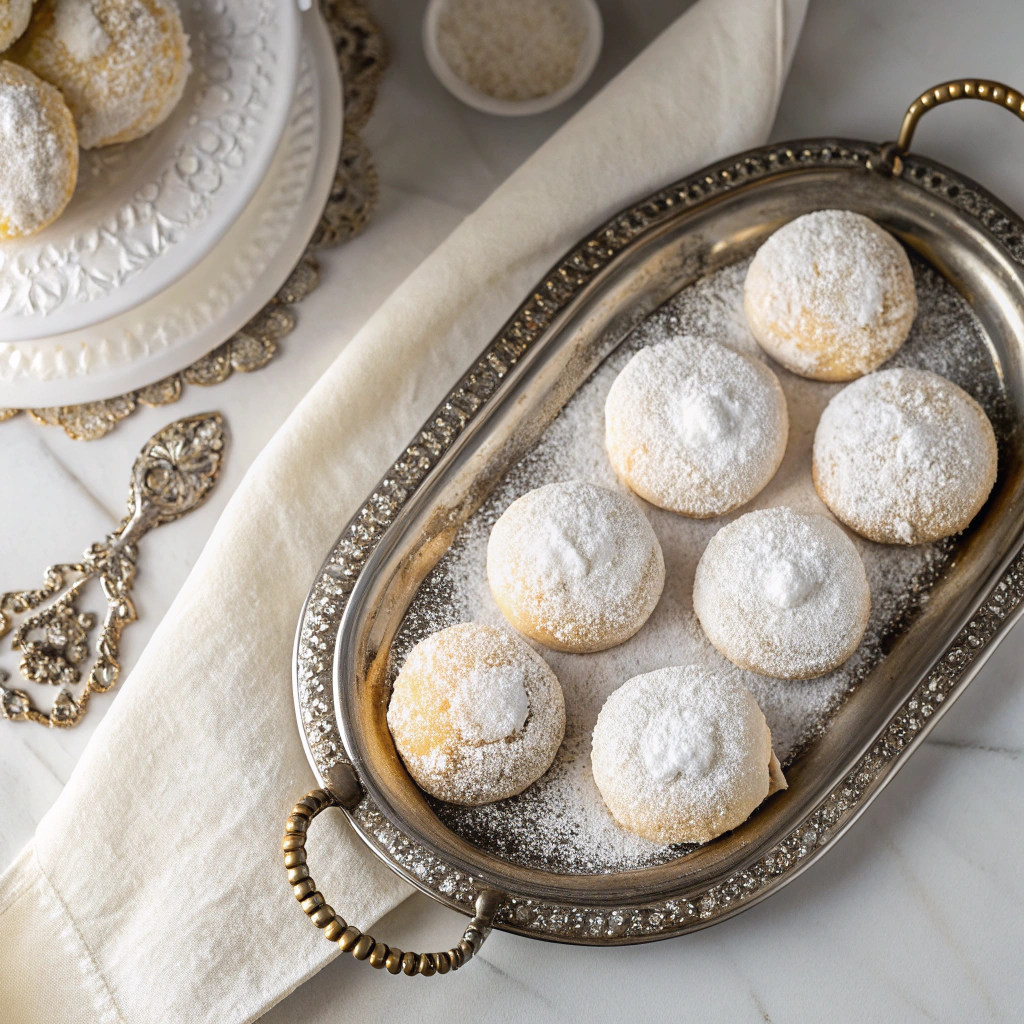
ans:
(575, 567)
(831, 295)
(904, 457)
(14, 18)
(38, 153)
(476, 714)
(694, 427)
(681, 755)
(121, 64)
(782, 593)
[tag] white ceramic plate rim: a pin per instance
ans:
(28, 393)
(183, 256)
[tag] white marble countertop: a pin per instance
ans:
(917, 914)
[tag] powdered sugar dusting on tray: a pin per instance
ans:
(560, 823)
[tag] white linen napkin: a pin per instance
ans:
(154, 888)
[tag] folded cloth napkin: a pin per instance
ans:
(154, 889)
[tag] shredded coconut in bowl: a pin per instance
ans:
(560, 823)
(511, 49)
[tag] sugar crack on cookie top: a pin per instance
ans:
(695, 427)
(904, 456)
(830, 295)
(38, 153)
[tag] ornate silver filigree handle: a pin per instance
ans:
(173, 474)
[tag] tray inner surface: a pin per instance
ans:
(560, 822)
(557, 837)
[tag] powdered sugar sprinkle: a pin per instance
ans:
(561, 823)
(827, 281)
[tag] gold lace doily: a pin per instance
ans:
(362, 59)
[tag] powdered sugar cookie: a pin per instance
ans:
(575, 567)
(830, 295)
(38, 153)
(476, 714)
(14, 17)
(121, 64)
(695, 427)
(782, 594)
(904, 457)
(682, 755)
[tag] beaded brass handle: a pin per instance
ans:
(891, 157)
(349, 938)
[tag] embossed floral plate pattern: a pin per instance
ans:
(579, 313)
(146, 212)
(223, 291)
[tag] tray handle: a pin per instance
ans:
(890, 160)
(345, 792)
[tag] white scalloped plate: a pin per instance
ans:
(226, 289)
(146, 212)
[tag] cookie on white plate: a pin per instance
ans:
(121, 64)
(38, 153)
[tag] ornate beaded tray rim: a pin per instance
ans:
(320, 621)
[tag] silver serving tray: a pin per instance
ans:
(578, 313)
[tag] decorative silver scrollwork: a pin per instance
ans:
(173, 474)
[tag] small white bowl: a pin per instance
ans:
(589, 53)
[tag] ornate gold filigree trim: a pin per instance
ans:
(362, 54)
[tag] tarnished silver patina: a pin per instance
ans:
(578, 313)
(172, 475)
